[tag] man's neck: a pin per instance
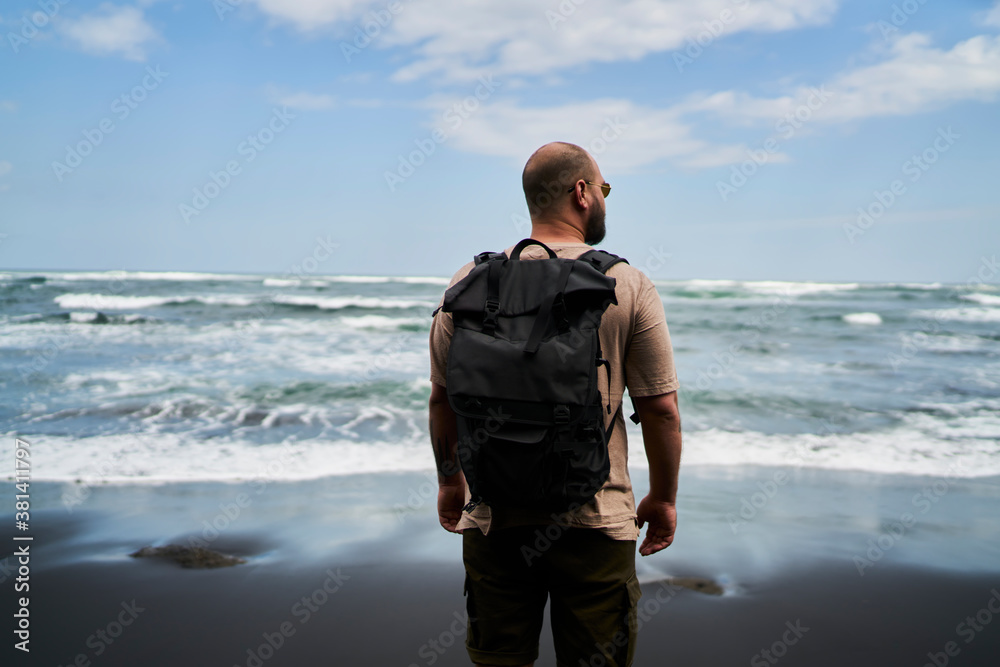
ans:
(556, 231)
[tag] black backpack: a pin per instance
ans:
(522, 377)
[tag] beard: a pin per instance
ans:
(595, 231)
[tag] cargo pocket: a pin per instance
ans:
(472, 633)
(632, 595)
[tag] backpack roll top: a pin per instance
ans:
(561, 369)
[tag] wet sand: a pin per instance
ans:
(354, 572)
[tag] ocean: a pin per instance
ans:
(150, 378)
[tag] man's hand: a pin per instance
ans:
(451, 500)
(662, 519)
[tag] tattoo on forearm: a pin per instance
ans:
(446, 460)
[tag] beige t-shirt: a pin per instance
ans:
(635, 340)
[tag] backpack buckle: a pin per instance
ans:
(560, 414)
(490, 319)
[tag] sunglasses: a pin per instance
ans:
(605, 188)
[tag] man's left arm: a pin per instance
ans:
(444, 440)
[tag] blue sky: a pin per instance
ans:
(745, 139)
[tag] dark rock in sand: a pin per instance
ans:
(190, 557)
(698, 584)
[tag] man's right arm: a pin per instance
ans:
(661, 434)
(444, 440)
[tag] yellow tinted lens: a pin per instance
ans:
(606, 189)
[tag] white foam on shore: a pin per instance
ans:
(972, 450)
(412, 280)
(293, 282)
(777, 287)
(961, 314)
(116, 302)
(863, 318)
(340, 302)
(984, 299)
(125, 276)
(160, 458)
(963, 447)
(382, 322)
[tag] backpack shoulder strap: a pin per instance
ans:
(602, 260)
(487, 256)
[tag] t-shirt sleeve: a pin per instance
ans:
(442, 328)
(649, 362)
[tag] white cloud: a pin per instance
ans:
(461, 40)
(309, 15)
(307, 101)
(915, 78)
(5, 167)
(992, 17)
(620, 133)
(111, 30)
(8, 105)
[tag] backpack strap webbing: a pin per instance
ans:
(491, 309)
(602, 260)
(545, 310)
(487, 256)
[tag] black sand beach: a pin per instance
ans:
(355, 572)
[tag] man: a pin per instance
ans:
(583, 560)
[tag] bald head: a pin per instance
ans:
(551, 171)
